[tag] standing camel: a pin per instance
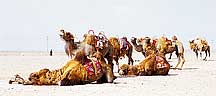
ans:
(119, 52)
(199, 48)
(70, 45)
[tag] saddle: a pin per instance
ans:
(93, 67)
(160, 62)
(124, 44)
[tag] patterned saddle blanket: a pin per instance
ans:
(93, 67)
(160, 62)
(123, 44)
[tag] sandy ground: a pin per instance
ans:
(198, 78)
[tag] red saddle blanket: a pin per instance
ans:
(160, 61)
(93, 67)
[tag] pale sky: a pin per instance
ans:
(25, 24)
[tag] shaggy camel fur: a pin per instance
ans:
(151, 65)
(76, 71)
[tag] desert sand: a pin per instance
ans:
(198, 78)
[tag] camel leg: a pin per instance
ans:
(206, 54)
(117, 63)
(144, 54)
(177, 63)
(196, 54)
(200, 55)
(170, 56)
(110, 61)
(130, 61)
(208, 51)
(109, 75)
(183, 60)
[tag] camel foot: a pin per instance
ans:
(205, 59)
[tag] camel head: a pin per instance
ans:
(126, 69)
(67, 36)
(192, 45)
(123, 69)
(138, 48)
(191, 41)
(147, 40)
(36, 77)
(133, 40)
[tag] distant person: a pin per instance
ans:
(51, 52)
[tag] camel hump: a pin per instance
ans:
(115, 42)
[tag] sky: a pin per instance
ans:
(33, 25)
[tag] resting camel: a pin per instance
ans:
(70, 45)
(79, 70)
(199, 48)
(121, 52)
(151, 65)
(91, 41)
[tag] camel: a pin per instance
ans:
(165, 46)
(70, 45)
(151, 65)
(79, 70)
(91, 41)
(161, 48)
(121, 52)
(199, 48)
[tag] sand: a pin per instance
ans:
(198, 78)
